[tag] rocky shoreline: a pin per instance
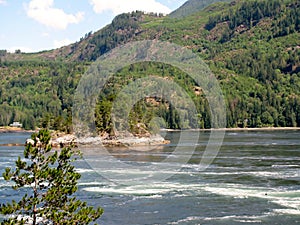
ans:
(65, 140)
(14, 130)
(62, 139)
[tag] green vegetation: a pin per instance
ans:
(51, 182)
(38, 93)
(192, 6)
(147, 108)
(252, 47)
(124, 28)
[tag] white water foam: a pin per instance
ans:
(127, 190)
(249, 221)
(285, 198)
(5, 163)
(241, 219)
(285, 166)
(91, 184)
(271, 174)
(276, 174)
(287, 211)
(147, 189)
(289, 199)
(188, 219)
(6, 183)
(84, 170)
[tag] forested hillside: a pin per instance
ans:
(38, 93)
(252, 47)
(192, 6)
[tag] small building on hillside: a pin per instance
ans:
(15, 124)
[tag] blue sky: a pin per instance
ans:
(35, 25)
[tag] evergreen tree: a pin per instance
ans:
(52, 180)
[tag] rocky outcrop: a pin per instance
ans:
(68, 139)
(136, 141)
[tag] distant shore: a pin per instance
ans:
(262, 128)
(8, 129)
(239, 129)
(66, 139)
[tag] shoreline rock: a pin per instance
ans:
(14, 130)
(68, 139)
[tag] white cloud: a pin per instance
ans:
(3, 2)
(45, 34)
(64, 42)
(44, 12)
(22, 48)
(121, 6)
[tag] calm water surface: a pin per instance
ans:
(255, 179)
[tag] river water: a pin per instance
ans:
(255, 179)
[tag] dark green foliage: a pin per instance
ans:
(122, 29)
(51, 182)
(153, 106)
(263, 60)
(39, 89)
(192, 6)
(252, 47)
(249, 13)
(3, 52)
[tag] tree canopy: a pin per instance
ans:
(51, 181)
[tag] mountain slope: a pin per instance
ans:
(252, 47)
(193, 6)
